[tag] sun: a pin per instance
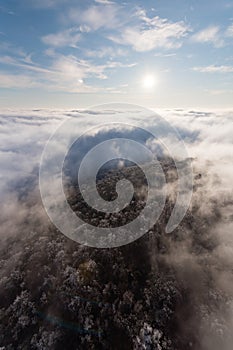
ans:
(149, 81)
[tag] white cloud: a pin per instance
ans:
(96, 17)
(71, 74)
(217, 92)
(106, 52)
(65, 73)
(152, 33)
(21, 81)
(105, 2)
(68, 67)
(229, 31)
(134, 29)
(23, 135)
(214, 69)
(45, 3)
(69, 37)
(25, 63)
(207, 135)
(160, 54)
(209, 35)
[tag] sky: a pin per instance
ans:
(159, 54)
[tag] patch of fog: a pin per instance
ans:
(206, 273)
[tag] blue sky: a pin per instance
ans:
(66, 53)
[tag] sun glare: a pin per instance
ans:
(149, 81)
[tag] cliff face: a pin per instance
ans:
(163, 291)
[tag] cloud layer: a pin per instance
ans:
(203, 246)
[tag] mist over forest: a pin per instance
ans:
(164, 291)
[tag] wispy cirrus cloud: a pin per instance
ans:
(214, 35)
(216, 92)
(214, 69)
(105, 2)
(229, 31)
(65, 73)
(136, 30)
(25, 63)
(69, 37)
(96, 16)
(8, 80)
(209, 35)
(106, 51)
(69, 67)
(87, 44)
(152, 33)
